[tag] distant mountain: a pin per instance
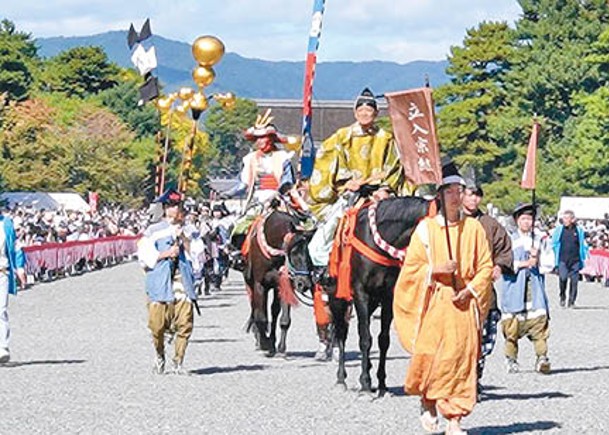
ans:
(255, 78)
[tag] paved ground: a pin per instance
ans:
(82, 363)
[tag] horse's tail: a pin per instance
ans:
(286, 291)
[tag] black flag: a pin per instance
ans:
(133, 37)
(149, 90)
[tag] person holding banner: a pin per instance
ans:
(169, 282)
(524, 302)
(441, 295)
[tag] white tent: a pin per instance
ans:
(585, 207)
(44, 200)
(71, 201)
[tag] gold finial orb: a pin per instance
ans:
(198, 102)
(186, 93)
(207, 50)
(203, 76)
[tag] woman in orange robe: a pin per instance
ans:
(438, 307)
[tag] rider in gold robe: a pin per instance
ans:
(361, 153)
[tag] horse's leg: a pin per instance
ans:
(259, 303)
(275, 310)
(284, 323)
(365, 339)
(340, 312)
(384, 339)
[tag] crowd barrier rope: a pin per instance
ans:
(63, 258)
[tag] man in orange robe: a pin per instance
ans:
(438, 306)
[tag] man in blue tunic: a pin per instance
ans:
(163, 252)
(524, 302)
(8, 281)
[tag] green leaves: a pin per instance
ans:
(17, 61)
(225, 129)
(555, 65)
(79, 72)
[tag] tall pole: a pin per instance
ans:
(447, 233)
(165, 153)
(307, 158)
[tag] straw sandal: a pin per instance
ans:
(429, 423)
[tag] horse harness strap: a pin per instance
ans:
(397, 254)
(342, 250)
(267, 250)
(372, 255)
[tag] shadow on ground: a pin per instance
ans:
(42, 362)
(516, 428)
(578, 369)
(525, 396)
(214, 340)
(209, 307)
(239, 368)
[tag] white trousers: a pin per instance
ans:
(5, 331)
(320, 245)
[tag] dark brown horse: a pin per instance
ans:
(265, 274)
(372, 283)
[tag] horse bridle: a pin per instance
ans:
(293, 273)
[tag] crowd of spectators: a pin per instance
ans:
(39, 226)
(597, 233)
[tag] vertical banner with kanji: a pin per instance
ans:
(414, 129)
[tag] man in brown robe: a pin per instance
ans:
(501, 253)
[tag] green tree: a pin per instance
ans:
(487, 119)
(79, 72)
(549, 80)
(100, 156)
(33, 157)
(554, 38)
(123, 100)
(475, 93)
(18, 57)
(60, 143)
(225, 129)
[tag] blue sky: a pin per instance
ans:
(394, 30)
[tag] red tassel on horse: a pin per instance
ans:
(286, 291)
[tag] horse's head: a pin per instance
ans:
(298, 260)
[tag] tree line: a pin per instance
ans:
(552, 65)
(71, 122)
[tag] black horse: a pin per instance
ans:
(264, 273)
(372, 283)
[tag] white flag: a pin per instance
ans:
(144, 61)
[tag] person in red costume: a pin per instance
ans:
(267, 172)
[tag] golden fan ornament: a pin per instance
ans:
(186, 93)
